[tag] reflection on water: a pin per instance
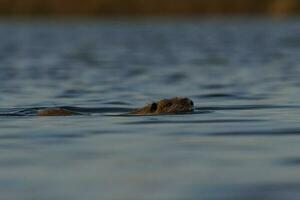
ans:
(241, 142)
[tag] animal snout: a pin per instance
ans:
(191, 103)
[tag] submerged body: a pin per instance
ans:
(164, 106)
(56, 112)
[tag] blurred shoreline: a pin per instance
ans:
(137, 8)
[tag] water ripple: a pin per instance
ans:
(216, 121)
(292, 161)
(229, 96)
(267, 132)
(248, 107)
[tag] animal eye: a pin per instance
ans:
(153, 107)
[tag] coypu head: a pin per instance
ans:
(174, 105)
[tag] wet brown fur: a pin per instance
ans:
(55, 112)
(164, 106)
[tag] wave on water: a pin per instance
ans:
(123, 110)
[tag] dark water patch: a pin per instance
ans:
(10, 90)
(211, 60)
(88, 155)
(229, 96)
(30, 136)
(248, 107)
(217, 121)
(259, 191)
(8, 110)
(16, 114)
(175, 77)
(267, 132)
(116, 103)
(215, 86)
(72, 93)
(19, 112)
(291, 42)
(135, 72)
(57, 135)
(4, 146)
(272, 191)
(293, 161)
(84, 56)
(16, 163)
(45, 138)
(105, 132)
(196, 143)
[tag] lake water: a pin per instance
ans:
(241, 143)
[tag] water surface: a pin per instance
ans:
(242, 141)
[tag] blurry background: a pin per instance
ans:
(147, 7)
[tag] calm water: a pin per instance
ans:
(241, 143)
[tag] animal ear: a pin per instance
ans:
(153, 107)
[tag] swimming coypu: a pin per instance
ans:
(164, 106)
